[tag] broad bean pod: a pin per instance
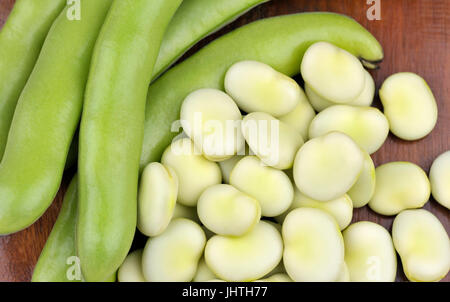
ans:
(58, 261)
(194, 20)
(60, 246)
(21, 40)
(46, 117)
(111, 131)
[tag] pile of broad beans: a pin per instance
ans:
(232, 169)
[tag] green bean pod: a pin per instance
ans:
(54, 263)
(194, 20)
(46, 117)
(279, 42)
(21, 40)
(58, 261)
(112, 129)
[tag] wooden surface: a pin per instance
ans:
(415, 37)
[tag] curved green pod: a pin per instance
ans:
(60, 246)
(58, 261)
(279, 42)
(46, 117)
(194, 20)
(21, 40)
(111, 131)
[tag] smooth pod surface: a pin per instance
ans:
(367, 126)
(333, 73)
(195, 173)
(326, 167)
(131, 268)
(111, 131)
(440, 179)
(46, 118)
(369, 253)
(183, 33)
(226, 211)
(399, 186)
(409, 105)
(57, 262)
(157, 197)
(245, 258)
(213, 122)
(273, 141)
(364, 99)
(313, 246)
(21, 40)
(423, 245)
(300, 117)
(364, 188)
(173, 256)
(279, 42)
(256, 86)
(271, 187)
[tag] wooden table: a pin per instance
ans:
(415, 36)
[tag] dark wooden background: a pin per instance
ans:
(415, 37)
